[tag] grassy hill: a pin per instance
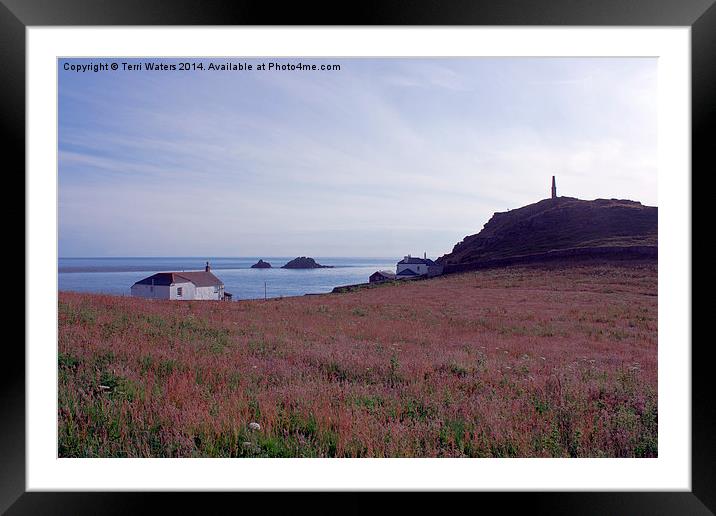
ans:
(564, 226)
(539, 361)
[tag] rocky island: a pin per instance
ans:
(261, 265)
(303, 262)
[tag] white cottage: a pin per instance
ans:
(181, 285)
(410, 266)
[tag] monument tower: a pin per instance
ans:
(554, 188)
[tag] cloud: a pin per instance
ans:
(388, 148)
(428, 75)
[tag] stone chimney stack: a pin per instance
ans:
(207, 268)
(554, 188)
(425, 255)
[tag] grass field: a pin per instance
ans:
(518, 362)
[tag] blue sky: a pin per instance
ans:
(383, 158)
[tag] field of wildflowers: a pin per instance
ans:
(538, 361)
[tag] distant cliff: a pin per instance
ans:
(303, 262)
(563, 228)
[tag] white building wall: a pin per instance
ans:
(150, 292)
(418, 268)
(210, 293)
(188, 291)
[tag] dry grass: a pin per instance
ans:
(524, 361)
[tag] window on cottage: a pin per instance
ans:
(216, 290)
(179, 289)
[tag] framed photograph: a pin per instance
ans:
(405, 250)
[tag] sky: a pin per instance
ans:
(382, 158)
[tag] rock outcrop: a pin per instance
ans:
(303, 262)
(563, 228)
(261, 265)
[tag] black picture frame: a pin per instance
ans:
(17, 15)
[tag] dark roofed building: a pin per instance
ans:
(181, 285)
(420, 266)
(410, 260)
(380, 276)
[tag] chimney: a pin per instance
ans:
(425, 255)
(554, 188)
(207, 268)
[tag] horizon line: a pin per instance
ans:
(211, 257)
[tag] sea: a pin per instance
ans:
(115, 276)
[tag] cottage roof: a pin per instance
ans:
(387, 274)
(415, 261)
(201, 278)
(407, 272)
(198, 278)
